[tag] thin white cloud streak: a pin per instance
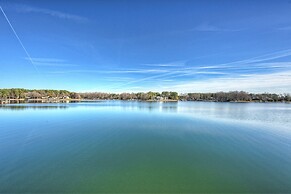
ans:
(117, 79)
(207, 72)
(137, 71)
(266, 57)
(211, 28)
(166, 80)
(52, 62)
(139, 80)
(187, 74)
(55, 64)
(251, 66)
(46, 60)
(171, 74)
(211, 67)
(19, 40)
(164, 65)
(253, 61)
(172, 64)
(57, 14)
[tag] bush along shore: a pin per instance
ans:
(19, 95)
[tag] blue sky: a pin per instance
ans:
(157, 45)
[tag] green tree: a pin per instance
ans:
(174, 96)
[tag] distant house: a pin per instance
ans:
(160, 98)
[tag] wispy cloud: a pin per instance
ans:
(268, 57)
(47, 60)
(172, 64)
(242, 66)
(236, 75)
(57, 14)
(51, 62)
(117, 79)
(273, 82)
(245, 66)
(119, 71)
(224, 73)
(211, 28)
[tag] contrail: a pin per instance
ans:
(28, 55)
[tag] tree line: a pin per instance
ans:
(132, 96)
(20, 93)
(234, 96)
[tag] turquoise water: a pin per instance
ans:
(131, 147)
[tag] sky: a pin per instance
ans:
(152, 45)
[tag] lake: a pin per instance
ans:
(131, 147)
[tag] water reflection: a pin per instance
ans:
(35, 107)
(276, 114)
(135, 147)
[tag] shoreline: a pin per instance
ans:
(21, 95)
(160, 100)
(66, 101)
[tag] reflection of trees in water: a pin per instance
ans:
(153, 106)
(170, 108)
(32, 107)
(128, 105)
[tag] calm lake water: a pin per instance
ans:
(125, 147)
